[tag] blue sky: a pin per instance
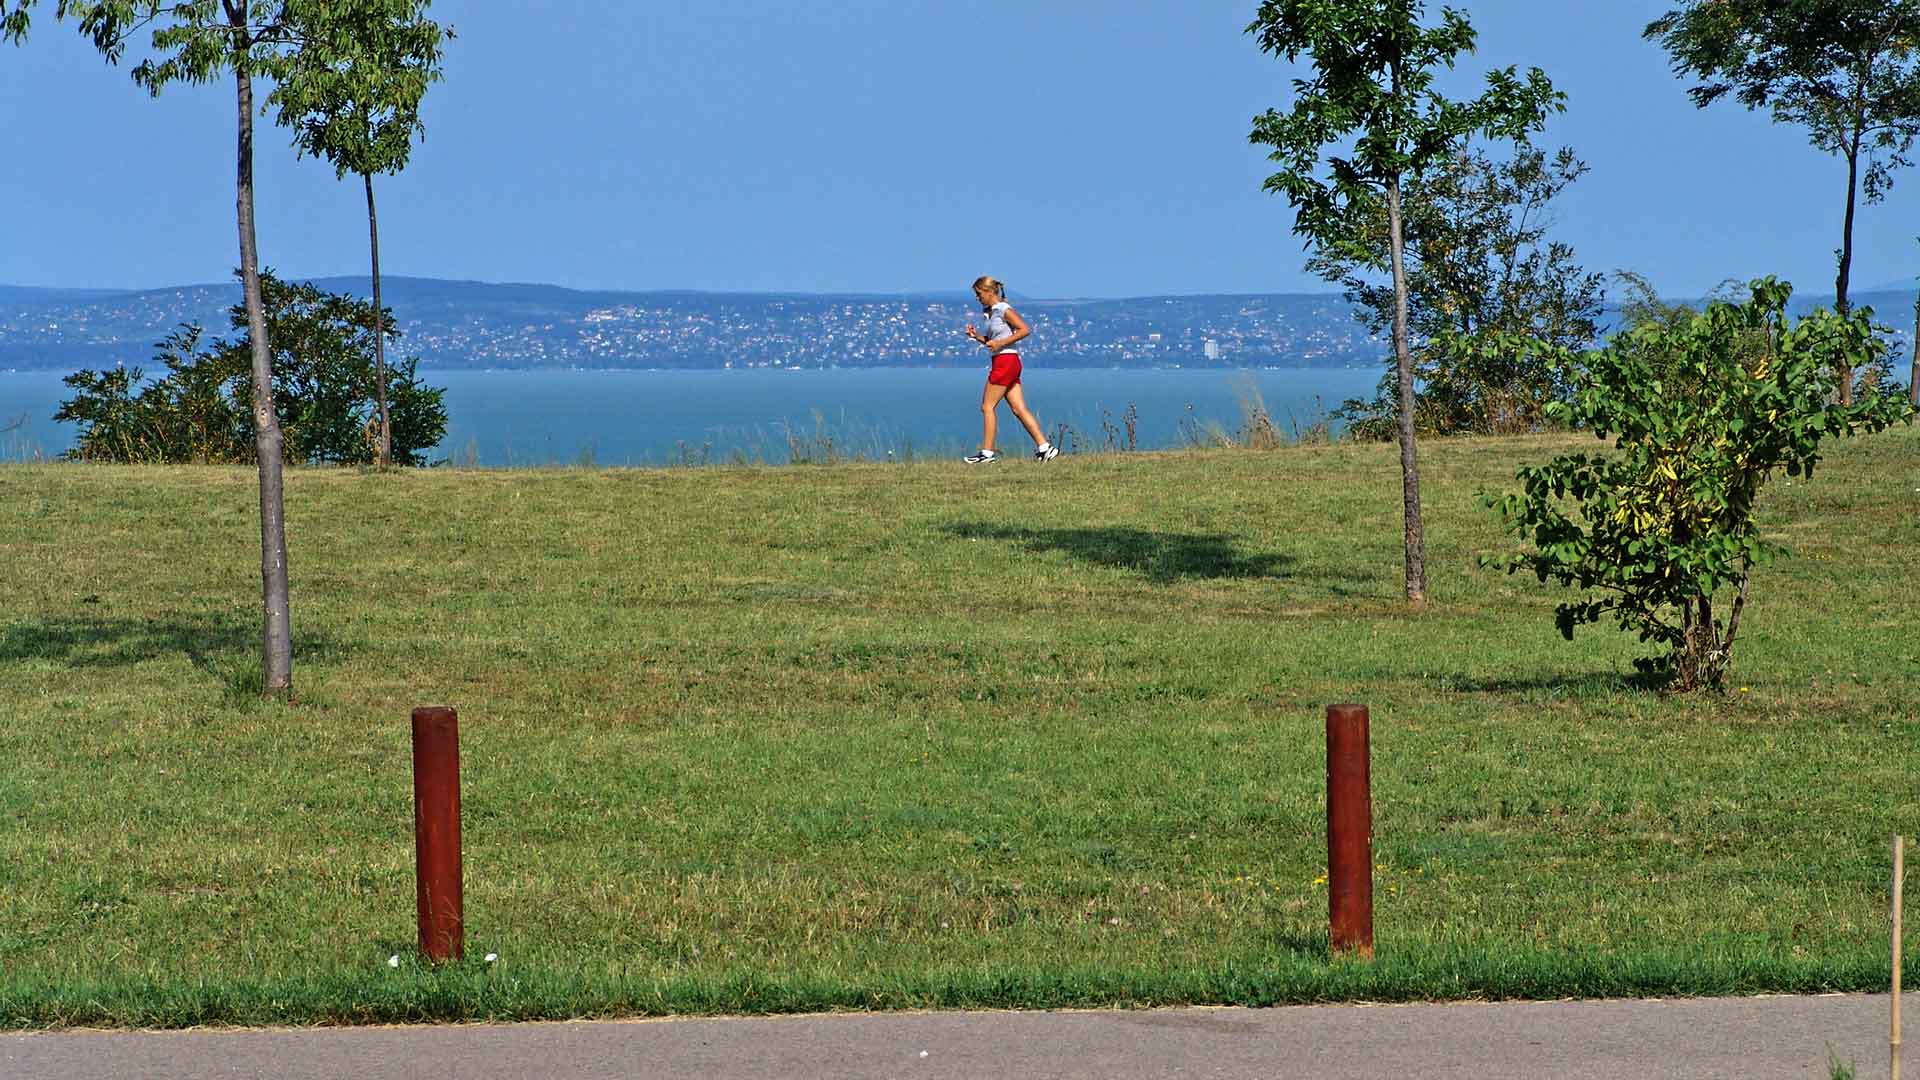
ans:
(1073, 148)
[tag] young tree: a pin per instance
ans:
(197, 41)
(352, 95)
(1367, 123)
(1846, 70)
(1702, 407)
(1913, 376)
(1480, 265)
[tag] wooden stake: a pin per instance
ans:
(1899, 874)
(436, 833)
(1349, 832)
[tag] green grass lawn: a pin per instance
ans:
(879, 736)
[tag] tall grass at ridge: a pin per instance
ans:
(1259, 428)
(15, 445)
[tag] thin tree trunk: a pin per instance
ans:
(1403, 358)
(1739, 605)
(1840, 302)
(1686, 663)
(1913, 376)
(379, 331)
(277, 641)
(1707, 670)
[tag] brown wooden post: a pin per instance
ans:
(436, 833)
(1349, 833)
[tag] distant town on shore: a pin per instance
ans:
(464, 324)
(467, 324)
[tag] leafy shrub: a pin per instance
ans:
(1702, 409)
(202, 409)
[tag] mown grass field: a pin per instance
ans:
(876, 736)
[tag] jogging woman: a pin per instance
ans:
(1005, 329)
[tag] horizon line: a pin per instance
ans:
(1340, 295)
(663, 290)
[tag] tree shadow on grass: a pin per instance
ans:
(1570, 684)
(1161, 557)
(1304, 944)
(209, 641)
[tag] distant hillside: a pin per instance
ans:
(33, 294)
(1891, 306)
(470, 324)
(481, 325)
(1902, 285)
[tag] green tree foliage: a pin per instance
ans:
(1702, 409)
(1641, 305)
(1486, 287)
(1368, 122)
(352, 95)
(190, 414)
(1846, 70)
(14, 20)
(324, 381)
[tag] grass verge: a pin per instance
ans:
(762, 739)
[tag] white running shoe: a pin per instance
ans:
(1046, 452)
(981, 457)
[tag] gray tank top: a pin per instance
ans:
(997, 326)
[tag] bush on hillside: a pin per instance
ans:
(201, 409)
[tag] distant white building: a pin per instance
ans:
(1210, 349)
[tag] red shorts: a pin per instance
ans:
(1005, 370)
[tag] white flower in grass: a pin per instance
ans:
(492, 956)
(394, 960)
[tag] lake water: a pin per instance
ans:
(531, 418)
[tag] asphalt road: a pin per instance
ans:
(1744, 1038)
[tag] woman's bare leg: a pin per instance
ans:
(1017, 401)
(989, 423)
